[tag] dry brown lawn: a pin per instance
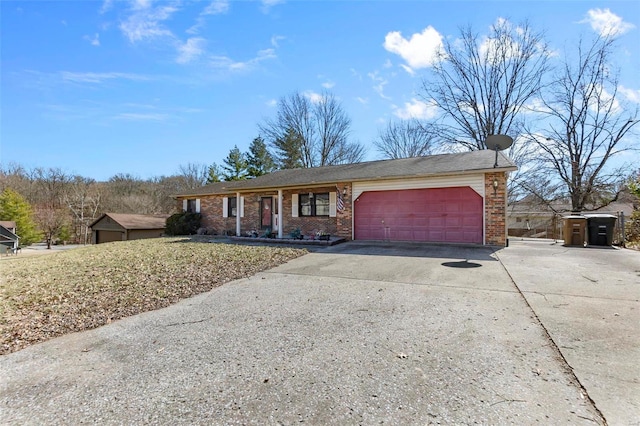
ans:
(47, 296)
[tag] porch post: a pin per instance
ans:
(280, 213)
(238, 213)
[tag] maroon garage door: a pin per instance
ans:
(451, 215)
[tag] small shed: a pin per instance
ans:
(122, 227)
(8, 237)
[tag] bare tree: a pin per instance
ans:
(321, 125)
(480, 85)
(194, 174)
(83, 200)
(51, 222)
(585, 126)
(405, 139)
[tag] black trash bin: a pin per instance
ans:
(600, 229)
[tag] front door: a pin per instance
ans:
(266, 212)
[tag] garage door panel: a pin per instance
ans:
(434, 214)
(108, 236)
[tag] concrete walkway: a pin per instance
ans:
(589, 301)
(351, 334)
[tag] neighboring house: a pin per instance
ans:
(8, 237)
(121, 227)
(456, 198)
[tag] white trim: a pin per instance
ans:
(332, 204)
(294, 205)
(225, 207)
(280, 215)
(184, 205)
(241, 207)
(475, 181)
(484, 213)
(197, 205)
(239, 202)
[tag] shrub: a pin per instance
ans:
(632, 226)
(183, 223)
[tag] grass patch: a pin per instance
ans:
(48, 296)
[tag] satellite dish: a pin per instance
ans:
(498, 143)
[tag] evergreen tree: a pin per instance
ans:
(214, 173)
(289, 150)
(15, 208)
(235, 167)
(259, 158)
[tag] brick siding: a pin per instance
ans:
(211, 210)
(495, 209)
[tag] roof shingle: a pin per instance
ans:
(428, 166)
(137, 221)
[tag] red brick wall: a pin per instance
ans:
(211, 210)
(495, 209)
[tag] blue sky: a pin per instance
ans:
(142, 86)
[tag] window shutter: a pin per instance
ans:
(294, 205)
(225, 207)
(184, 205)
(197, 205)
(332, 204)
(241, 208)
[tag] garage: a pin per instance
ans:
(123, 226)
(452, 215)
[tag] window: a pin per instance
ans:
(314, 204)
(232, 207)
(191, 206)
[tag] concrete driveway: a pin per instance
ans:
(588, 299)
(352, 334)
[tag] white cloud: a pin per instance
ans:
(604, 100)
(363, 101)
(380, 82)
(270, 3)
(416, 109)
(535, 106)
(95, 40)
(328, 84)
(419, 51)
(93, 77)
(216, 7)
(387, 64)
(190, 50)
(231, 65)
(275, 40)
(313, 96)
(631, 95)
(136, 116)
(141, 4)
(146, 22)
(409, 70)
(606, 23)
(106, 6)
(272, 103)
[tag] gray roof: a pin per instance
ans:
(9, 224)
(7, 235)
(136, 221)
(428, 166)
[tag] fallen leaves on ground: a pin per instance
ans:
(80, 289)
